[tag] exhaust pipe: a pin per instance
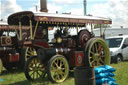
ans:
(43, 5)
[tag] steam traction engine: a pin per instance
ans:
(11, 47)
(64, 51)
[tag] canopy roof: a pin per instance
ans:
(6, 27)
(50, 18)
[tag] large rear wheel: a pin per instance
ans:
(96, 52)
(58, 69)
(25, 54)
(33, 69)
(30, 52)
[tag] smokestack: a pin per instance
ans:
(43, 5)
(85, 9)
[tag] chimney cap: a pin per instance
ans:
(43, 5)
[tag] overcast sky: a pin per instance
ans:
(117, 10)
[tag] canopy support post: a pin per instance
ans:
(17, 34)
(105, 29)
(31, 30)
(20, 29)
(35, 30)
(77, 29)
(92, 28)
(100, 30)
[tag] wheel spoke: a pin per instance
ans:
(97, 62)
(34, 75)
(58, 77)
(30, 49)
(61, 63)
(38, 74)
(100, 60)
(95, 47)
(28, 55)
(30, 52)
(90, 58)
(54, 70)
(92, 61)
(31, 73)
(93, 56)
(36, 62)
(62, 69)
(30, 69)
(56, 64)
(92, 53)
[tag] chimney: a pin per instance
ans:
(43, 5)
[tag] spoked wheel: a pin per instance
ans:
(96, 52)
(1, 66)
(33, 69)
(30, 52)
(58, 69)
(25, 54)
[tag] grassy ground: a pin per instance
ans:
(121, 73)
(18, 78)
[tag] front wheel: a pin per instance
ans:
(33, 69)
(58, 69)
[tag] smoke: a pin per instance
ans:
(9, 7)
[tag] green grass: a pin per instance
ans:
(18, 78)
(121, 73)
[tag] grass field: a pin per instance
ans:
(18, 78)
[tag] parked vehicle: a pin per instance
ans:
(55, 58)
(12, 53)
(65, 51)
(118, 48)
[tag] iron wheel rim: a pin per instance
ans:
(98, 53)
(35, 69)
(59, 69)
